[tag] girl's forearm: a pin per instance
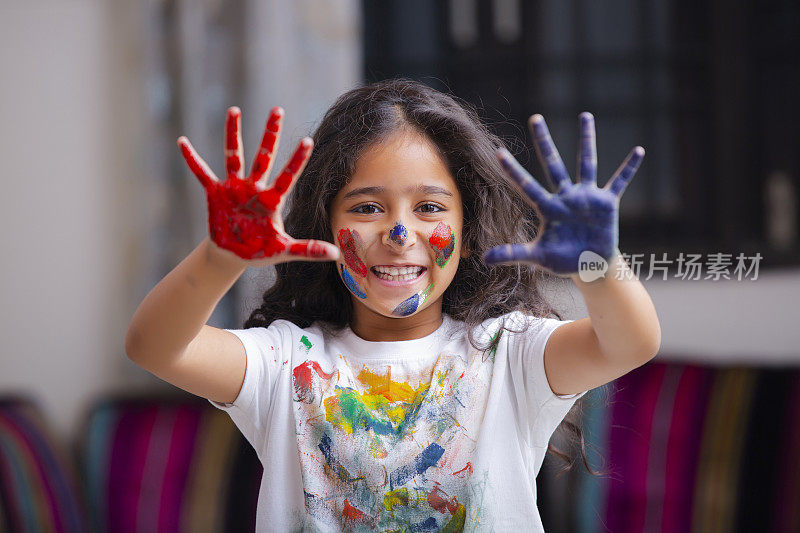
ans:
(622, 313)
(174, 312)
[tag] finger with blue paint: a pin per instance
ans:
(578, 217)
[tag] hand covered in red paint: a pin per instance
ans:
(244, 215)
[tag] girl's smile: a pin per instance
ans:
(399, 276)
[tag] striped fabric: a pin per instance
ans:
(166, 466)
(38, 483)
(692, 449)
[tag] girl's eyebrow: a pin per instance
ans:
(422, 189)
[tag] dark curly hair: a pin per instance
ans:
(494, 213)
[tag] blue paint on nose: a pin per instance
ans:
(399, 234)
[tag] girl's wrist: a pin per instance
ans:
(222, 258)
(612, 266)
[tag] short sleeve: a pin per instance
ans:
(264, 349)
(541, 410)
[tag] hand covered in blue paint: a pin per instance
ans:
(578, 216)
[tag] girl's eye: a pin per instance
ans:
(361, 209)
(430, 208)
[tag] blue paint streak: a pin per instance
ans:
(427, 525)
(407, 307)
(421, 463)
(352, 284)
(399, 234)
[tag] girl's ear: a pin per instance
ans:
(465, 252)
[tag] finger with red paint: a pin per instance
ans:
(244, 214)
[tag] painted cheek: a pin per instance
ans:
(399, 234)
(411, 304)
(351, 283)
(443, 243)
(353, 248)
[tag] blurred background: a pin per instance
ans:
(98, 205)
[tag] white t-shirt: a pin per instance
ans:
(423, 435)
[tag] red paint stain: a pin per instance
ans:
(352, 513)
(464, 472)
(442, 235)
(303, 379)
(240, 214)
(350, 244)
(437, 500)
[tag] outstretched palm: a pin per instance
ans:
(243, 213)
(579, 216)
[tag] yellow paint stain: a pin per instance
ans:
(374, 401)
(398, 413)
(394, 498)
(394, 391)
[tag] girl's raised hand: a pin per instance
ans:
(244, 215)
(578, 216)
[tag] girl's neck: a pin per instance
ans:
(375, 327)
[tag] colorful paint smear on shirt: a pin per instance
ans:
(353, 249)
(410, 305)
(389, 447)
(443, 242)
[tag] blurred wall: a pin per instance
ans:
(63, 205)
(79, 208)
(75, 211)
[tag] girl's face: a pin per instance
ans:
(398, 223)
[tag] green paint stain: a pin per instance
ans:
(306, 343)
(493, 344)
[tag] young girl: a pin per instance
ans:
(409, 379)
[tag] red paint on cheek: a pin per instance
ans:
(350, 244)
(442, 236)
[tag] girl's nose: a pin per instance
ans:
(398, 235)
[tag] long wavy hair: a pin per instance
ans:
(494, 213)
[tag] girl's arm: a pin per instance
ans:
(621, 333)
(579, 228)
(167, 335)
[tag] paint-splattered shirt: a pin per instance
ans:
(427, 434)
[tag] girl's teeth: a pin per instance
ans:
(400, 277)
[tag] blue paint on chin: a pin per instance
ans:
(351, 283)
(407, 307)
(399, 234)
(412, 303)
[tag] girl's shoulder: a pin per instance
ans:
(516, 321)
